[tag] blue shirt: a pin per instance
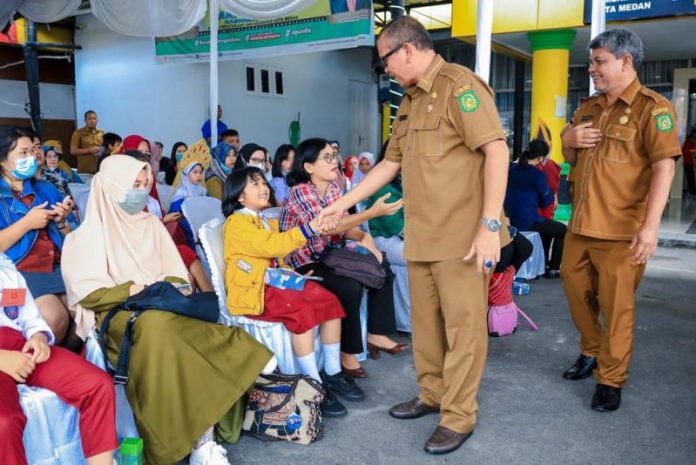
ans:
(527, 191)
(207, 133)
(13, 210)
(280, 188)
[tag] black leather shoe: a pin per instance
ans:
(582, 369)
(606, 398)
(331, 406)
(444, 441)
(414, 408)
(344, 386)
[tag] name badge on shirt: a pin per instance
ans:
(244, 266)
(13, 297)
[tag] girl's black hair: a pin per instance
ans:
(174, 147)
(307, 152)
(537, 148)
(234, 186)
(9, 135)
(111, 138)
(282, 154)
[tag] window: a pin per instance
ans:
(250, 79)
(279, 82)
(265, 82)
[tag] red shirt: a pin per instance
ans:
(553, 178)
(43, 254)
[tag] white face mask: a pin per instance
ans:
(261, 166)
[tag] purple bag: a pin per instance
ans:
(363, 268)
(502, 319)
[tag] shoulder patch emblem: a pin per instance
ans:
(664, 122)
(660, 111)
(461, 90)
(468, 101)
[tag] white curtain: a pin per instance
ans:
(149, 18)
(41, 11)
(264, 9)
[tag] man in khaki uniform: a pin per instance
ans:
(85, 144)
(622, 145)
(448, 142)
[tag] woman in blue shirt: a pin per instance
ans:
(527, 192)
(33, 225)
(282, 164)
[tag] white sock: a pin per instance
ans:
(332, 358)
(308, 366)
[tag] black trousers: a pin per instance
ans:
(552, 236)
(515, 253)
(380, 305)
(690, 179)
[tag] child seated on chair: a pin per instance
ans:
(254, 244)
(27, 358)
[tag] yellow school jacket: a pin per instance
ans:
(249, 248)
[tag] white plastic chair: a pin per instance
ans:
(86, 178)
(200, 210)
(273, 335)
(81, 199)
(52, 433)
(535, 265)
(76, 188)
(165, 192)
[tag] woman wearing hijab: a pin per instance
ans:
(224, 156)
(185, 374)
(365, 163)
(254, 155)
(191, 186)
(50, 172)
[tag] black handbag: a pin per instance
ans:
(363, 268)
(162, 296)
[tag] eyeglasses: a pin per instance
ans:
(383, 59)
(257, 160)
(329, 158)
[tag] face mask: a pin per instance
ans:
(135, 202)
(179, 156)
(25, 168)
(261, 166)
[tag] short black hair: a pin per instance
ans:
(111, 138)
(234, 186)
(282, 154)
(228, 133)
(88, 112)
(307, 152)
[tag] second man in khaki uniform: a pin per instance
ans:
(86, 143)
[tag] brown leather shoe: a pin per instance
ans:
(374, 350)
(359, 372)
(444, 441)
(414, 408)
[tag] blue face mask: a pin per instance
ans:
(25, 168)
(179, 156)
(135, 201)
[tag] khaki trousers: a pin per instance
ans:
(450, 337)
(599, 277)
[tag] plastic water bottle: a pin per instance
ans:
(131, 452)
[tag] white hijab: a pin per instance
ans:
(358, 175)
(188, 189)
(112, 247)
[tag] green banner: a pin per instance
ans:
(326, 25)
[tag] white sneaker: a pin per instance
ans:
(209, 453)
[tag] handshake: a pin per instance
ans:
(322, 224)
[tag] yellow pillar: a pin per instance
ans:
(386, 121)
(550, 59)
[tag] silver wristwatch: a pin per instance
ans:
(491, 224)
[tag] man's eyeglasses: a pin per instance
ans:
(383, 59)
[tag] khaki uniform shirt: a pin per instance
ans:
(441, 124)
(612, 179)
(86, 138)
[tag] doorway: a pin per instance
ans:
(362, 129)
